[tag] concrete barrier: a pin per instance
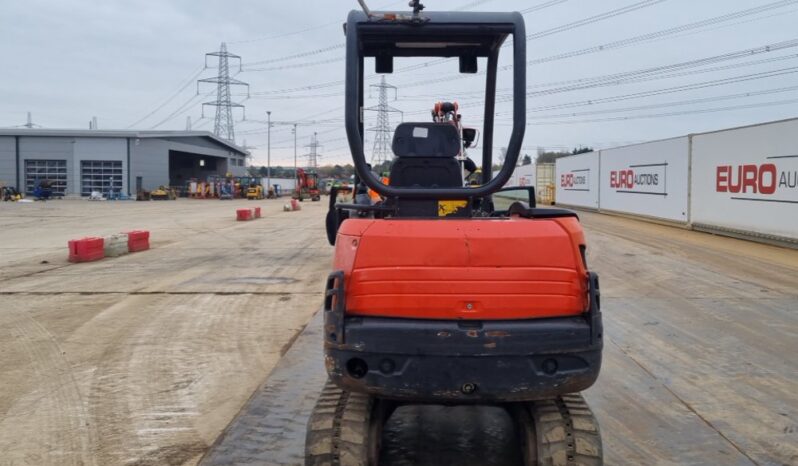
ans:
(116, 245)
(243, 215)
(138, 240)
(86, 249)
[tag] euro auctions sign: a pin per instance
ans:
(775, 180)
(576, 180)
(641, 179)
(746, 179)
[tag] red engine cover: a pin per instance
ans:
(478, 269)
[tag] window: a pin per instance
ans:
(102, 176)
(54, 171)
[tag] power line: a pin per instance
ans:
(658, 35)
(648, 38)
(181, 109)
(302, 31)
(296, 55)
(769, 48)
(399, 70)
(341, 46)
(594, 19)
(473, 4)
(662, 33)
(194, 75)
(648, 74)
(644, 75)
(549, 32)
(741, 95)
(295, 65)
(701, 85)
(541, 6)
(669, 114)
(675, 89)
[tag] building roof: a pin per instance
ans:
(111, 133)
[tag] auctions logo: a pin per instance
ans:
(576, 180)
(640, 179)
(767, 182)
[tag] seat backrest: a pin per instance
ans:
(425, 156)
(426, 172)
(426, 140)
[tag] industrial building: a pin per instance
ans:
(77, 162)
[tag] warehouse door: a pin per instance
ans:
(102, 176)
(54, 171)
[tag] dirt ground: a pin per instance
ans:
(144, 359)
(699, 366)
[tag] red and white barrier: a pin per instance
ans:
(243, 215)
(116, 245)
(86, 249)
(138, 240)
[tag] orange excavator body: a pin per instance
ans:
(474, 269)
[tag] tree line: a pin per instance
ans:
(344, 172)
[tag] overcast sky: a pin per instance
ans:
(66, 61)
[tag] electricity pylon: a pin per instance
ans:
(223, 124)
(382, 140)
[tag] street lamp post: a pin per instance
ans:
(296, 172)
(269, 152)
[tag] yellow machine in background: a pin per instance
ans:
(163, 194)
(255, 192)
(9, 193)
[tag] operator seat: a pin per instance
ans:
(425, 156)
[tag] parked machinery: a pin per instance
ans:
(10, 194)
(255, 191)
(163, 193)
(438, 293)
(307, 186)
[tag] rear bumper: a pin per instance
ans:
(462, 361)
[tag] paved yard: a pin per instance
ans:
(144, 359)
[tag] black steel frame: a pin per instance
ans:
(367, 37)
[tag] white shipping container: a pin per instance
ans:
(648, 179)
(746, 179)
(286, 184)
(578, 180)
(522, 176)
(526, 175)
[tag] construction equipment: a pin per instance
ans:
(440, 295)
(226, 189)
(255, 191)
(10, 194)
(163, 194)
(307, 186)
(43, 190)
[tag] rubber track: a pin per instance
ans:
(568, 433)
(338, 429)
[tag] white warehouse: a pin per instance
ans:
(77, 162)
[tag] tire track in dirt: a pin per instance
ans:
(53, 416)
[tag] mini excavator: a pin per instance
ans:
(437, 296)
